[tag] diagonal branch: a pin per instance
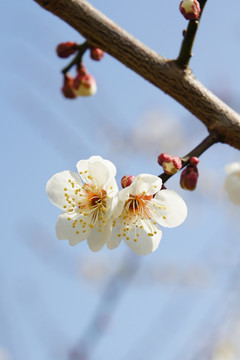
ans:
(161, 72)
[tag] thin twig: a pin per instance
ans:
(188, 40)
(78, 58)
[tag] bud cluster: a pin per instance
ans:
(172, 164)
(83, 84)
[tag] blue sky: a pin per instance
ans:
(50, 292)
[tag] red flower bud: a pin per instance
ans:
(170, 164)
(127, 180)
(84, 84)
(96, 53)
(189, 178)
(68, 87)
(190, 9)
(194, 161)
(66, 49)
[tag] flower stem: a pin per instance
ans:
(78, 58)
(197, 151)
(188, 40)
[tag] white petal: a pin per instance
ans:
(118, 208)
(114, 240)
(111, 187)
(146, 183)
(108, 164)
(83, 165)
(232, 186)
(123, 194)
(233, 167)
(144, 243)
(96, 239)
(95, 173)
(170, 208)
(65, 231)
(56, 185)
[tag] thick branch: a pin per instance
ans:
(163, 73)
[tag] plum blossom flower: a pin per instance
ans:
(86, 200)
(232, 182)
(140, 208)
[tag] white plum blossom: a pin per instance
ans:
(140, 208)
(86, 200)
(232, 182)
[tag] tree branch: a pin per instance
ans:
(163, 73)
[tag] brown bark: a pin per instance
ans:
(165, 74)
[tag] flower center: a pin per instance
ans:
(137, 204)
(97, 199)
(87, 206)
(137, 209)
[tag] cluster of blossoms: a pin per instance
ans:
(83, 84)
(95, 210)
(232, 182)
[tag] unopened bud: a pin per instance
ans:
(96, 53)
(66, 49)
(68, 87)
(171, 164)
(84, 84)
(189, 178)
(194, 161)
(190, 9)
(127, 180)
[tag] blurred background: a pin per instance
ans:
(67, 303)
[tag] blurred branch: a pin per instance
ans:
(111, 296)
(165, 74)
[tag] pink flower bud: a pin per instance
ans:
(67, 89)
(127, 180)
(96, 53)
(194, 161)
(66, 49)
(84, 84)
(170, 164)
(190, 9)
(189, 178)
